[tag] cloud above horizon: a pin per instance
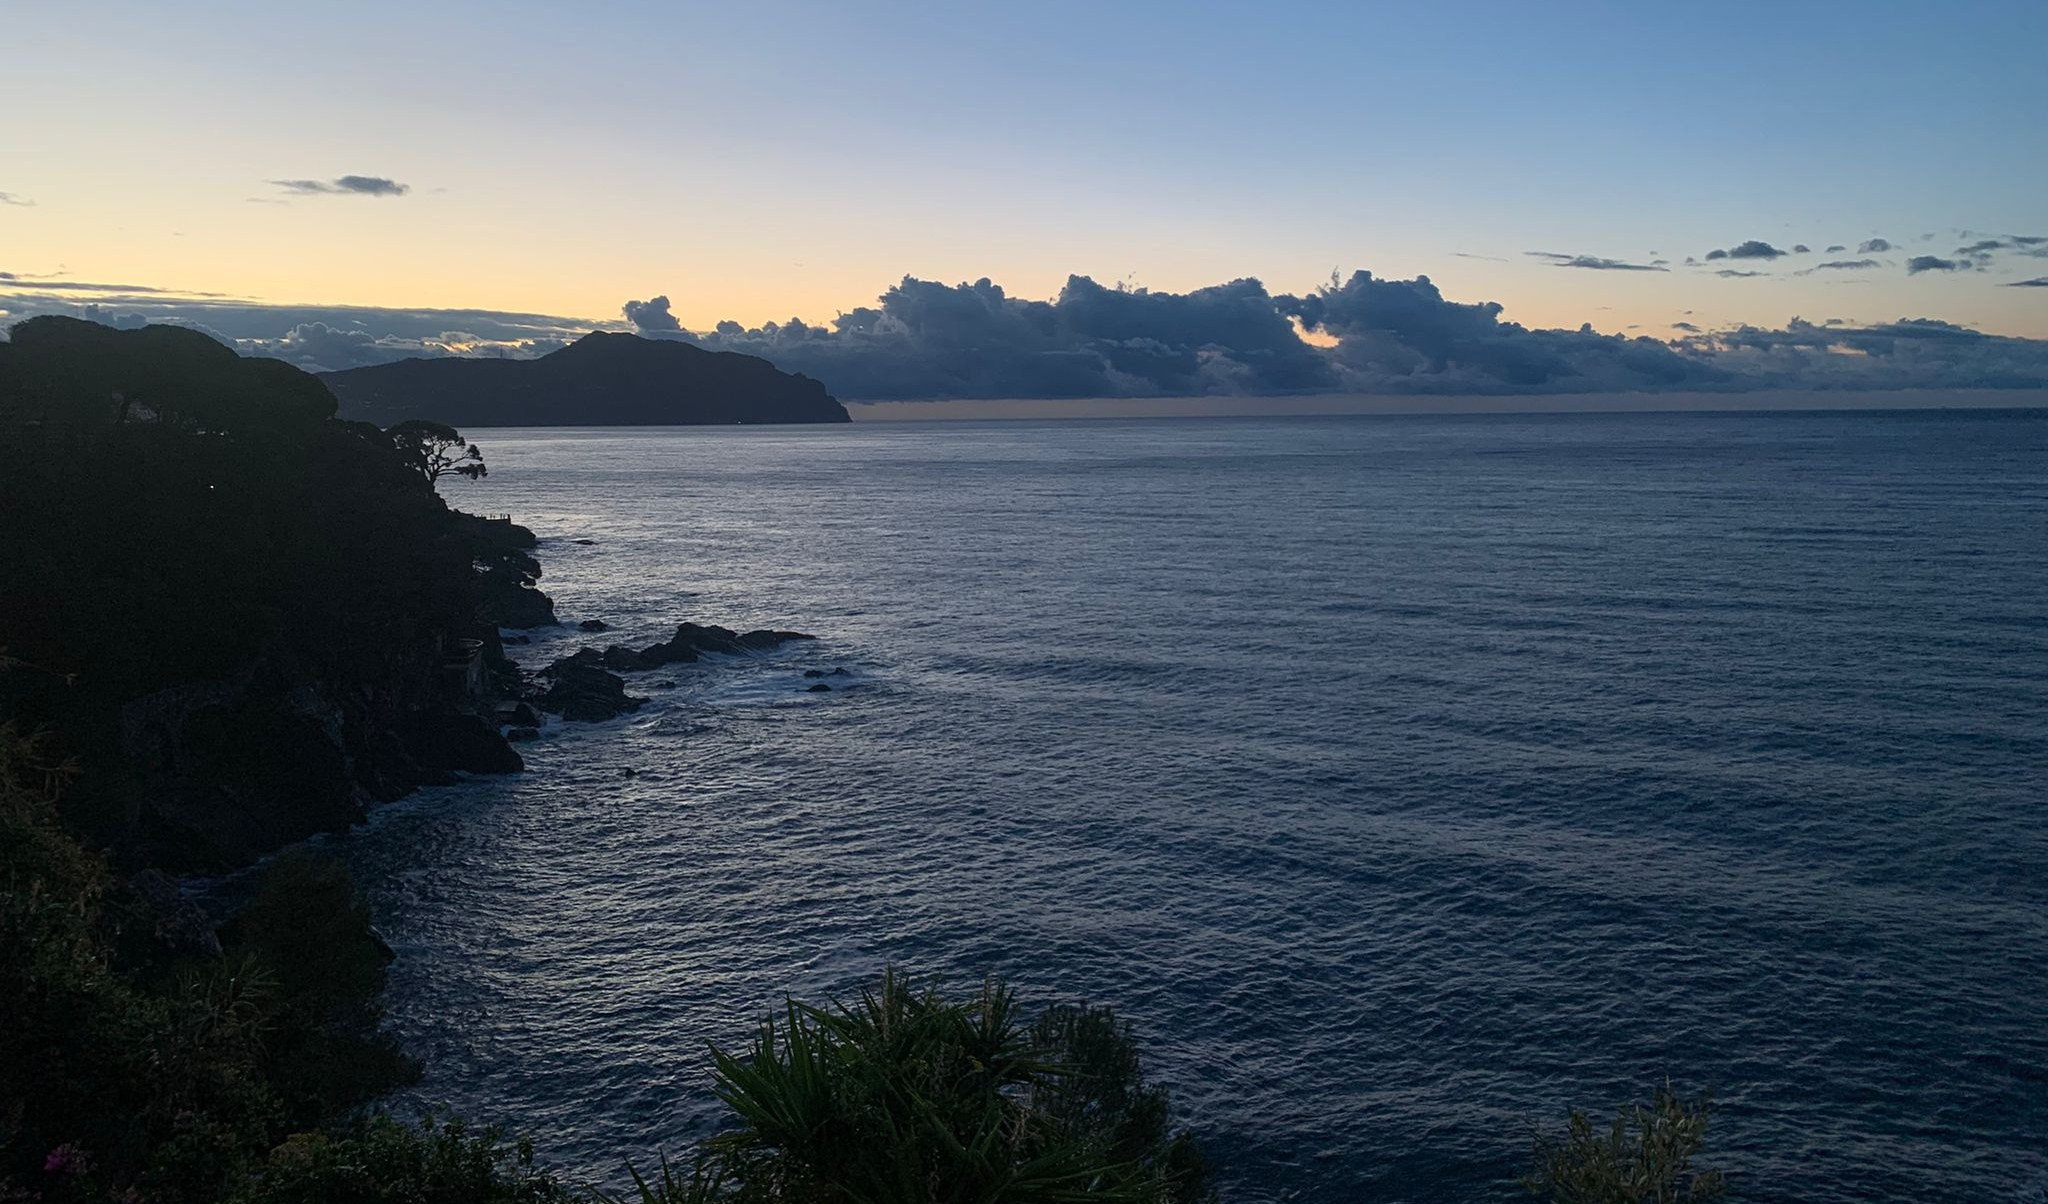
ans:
(344, 186)
(927, 340)
(651, 316)
(14, 198)
(1933, 263)
(1596, 263)
(1752, 249)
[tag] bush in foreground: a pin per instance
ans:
(907, 1096)
(1645, 1157)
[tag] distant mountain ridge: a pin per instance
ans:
(602, 379)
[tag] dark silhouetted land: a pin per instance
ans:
(599, 380)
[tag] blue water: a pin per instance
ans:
(1402, 780)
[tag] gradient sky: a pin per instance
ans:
(758, 161)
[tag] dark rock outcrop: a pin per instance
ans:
(459, 740)
(593, 625)
(692, 640)
(230, 608)
(581, 690)
(518, 607)
(600, 380)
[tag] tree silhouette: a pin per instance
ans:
(434, 450)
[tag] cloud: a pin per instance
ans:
(1733, 273)
(2036, 282)
(1873, 246)
(316, 337)
(1403, 336)
(12, 198)
(1930, 263)
(1800, 248)
(1841, 265)
(929, 340)
(1834, 248)
(651, 316)
(1594, 262)
(1752, 249)
(345, 186)
(1911, 353)
(46, 284)
(926, 340)
(1488, 258)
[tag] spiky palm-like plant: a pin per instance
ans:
(905, 1098)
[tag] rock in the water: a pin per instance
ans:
(519, 714)
(583, 542)
(820, 688)
(594, 625)
(581, 690)
(622, 659)
(520, 735)
(692, 640)
(518, 607)
(823, 673)
(459, 740)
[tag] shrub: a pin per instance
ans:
(380, 1161)
(906, 1096)
(1645, 1157)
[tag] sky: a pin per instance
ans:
(757, 162)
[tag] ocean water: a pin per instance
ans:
(1402, 781)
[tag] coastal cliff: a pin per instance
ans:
(599, 380)
(245, 620)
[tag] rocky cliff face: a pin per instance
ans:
(243, 620)
(600, 380)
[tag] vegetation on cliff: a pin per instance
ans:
(236, 610)
(134, 1066)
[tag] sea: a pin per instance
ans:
(1403, 781)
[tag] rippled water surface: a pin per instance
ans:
(1401, 779)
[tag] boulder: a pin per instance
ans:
(519, 714)
(580, 689)
(692, 640)
(459, 740)
(517, 606)
(819, 688)
(520, 735)
(593, 625)
(622, 659)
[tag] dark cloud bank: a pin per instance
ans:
(924, 341)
